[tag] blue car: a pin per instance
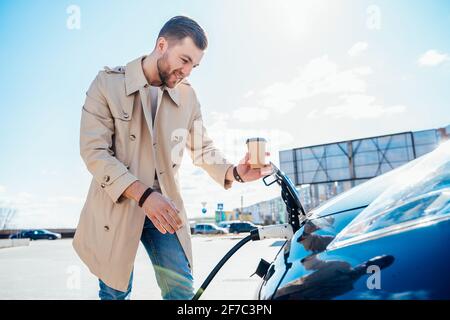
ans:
(36, 235)
(385, 239)
(241, 226)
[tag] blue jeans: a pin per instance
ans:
(172, 268)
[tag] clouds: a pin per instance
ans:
(320, 76)
(341, 92)
(432, 58)
(34, 210)
(338, 92)
(231, 139)
(289, 19)
(251, 114)
(360, 106)
(321, 87)
(357, 49)
(249, 93)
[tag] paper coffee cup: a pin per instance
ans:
(257, 152)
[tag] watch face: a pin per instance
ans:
(236, 175)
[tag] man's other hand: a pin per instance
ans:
(162, 212)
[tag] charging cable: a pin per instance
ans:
(277, 231)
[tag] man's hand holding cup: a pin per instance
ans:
(254, 165)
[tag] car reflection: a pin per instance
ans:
(330, 278)
(314, 242)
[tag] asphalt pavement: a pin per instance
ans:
(50, 269)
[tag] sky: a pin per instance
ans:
(296, 72)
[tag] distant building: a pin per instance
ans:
(321, 172)
(272, 211)
(226, 215)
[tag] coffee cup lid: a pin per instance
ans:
(256, 139)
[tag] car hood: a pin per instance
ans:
(406, 219)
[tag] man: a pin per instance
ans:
(135, 124)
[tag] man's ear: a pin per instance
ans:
(161, 45)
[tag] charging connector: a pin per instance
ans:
(286, 231)
(277, 231)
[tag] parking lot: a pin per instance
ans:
(51, 270)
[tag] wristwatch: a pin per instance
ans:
(236, 175)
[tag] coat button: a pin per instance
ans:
(132, 137)
(106, 228)
(103, 185)
(125, 115)
(106, 178)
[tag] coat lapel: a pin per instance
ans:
(143, 92)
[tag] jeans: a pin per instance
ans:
(171, 266)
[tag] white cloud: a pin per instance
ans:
(251, 114)
(319, 77)
(324, 80)
(2, 188)
(433, 58)
(231, 140)
(66, 199)
(357, 49)
(289, 19)
(360, 106)
(35, 211)
(249, 94)
(216, 117)
(314, 114)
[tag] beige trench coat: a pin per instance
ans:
(118, 147)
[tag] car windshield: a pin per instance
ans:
(420, 194)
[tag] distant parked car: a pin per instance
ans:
(208, 228)
(36, 235)
(226, 224)
(243, 226)
(20, 234)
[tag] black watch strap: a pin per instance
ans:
(236, 175)
(145, 196)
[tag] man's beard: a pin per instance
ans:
(163, 74)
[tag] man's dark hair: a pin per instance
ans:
(180, 27)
